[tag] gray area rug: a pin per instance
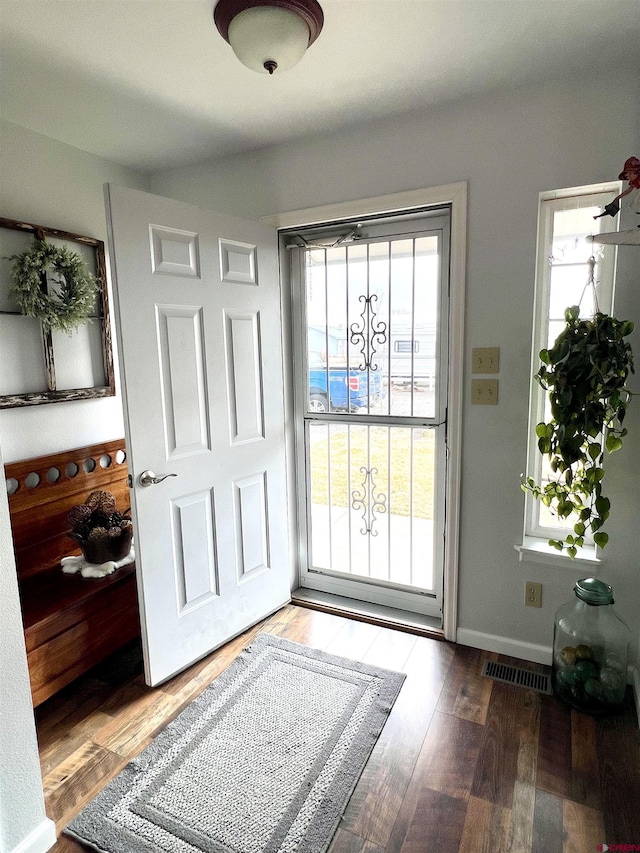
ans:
(264, 761)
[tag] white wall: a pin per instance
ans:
(22, 814)
(48, 183)
(509, 148)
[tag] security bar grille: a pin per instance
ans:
(370, 322)
(372, 501)
(373, 327)
(508, 674)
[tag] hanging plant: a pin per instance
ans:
(585, 373)
(67, 308)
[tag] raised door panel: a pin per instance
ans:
(244, 376)
(238, 262)
(174, 252)
(194, 549)
(251, 513)
(181, 352)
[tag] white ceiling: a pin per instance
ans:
(151, 84)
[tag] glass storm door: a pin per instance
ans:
(370, 313)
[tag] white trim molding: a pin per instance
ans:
(40, 840)
(505, 646)
(530, 652)
(410, 200)
(538, 550)
(577, 201)
(455, 196)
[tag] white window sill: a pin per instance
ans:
(534, 550)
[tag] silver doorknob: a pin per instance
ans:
(148, 478)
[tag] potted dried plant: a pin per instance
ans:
(102, 532)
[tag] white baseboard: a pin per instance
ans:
(40, 840)
(504, 646)
(530, 652)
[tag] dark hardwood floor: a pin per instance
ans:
(463, 765)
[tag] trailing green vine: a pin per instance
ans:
(67, 308)
(585, 373)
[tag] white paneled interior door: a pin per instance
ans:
(199, 335)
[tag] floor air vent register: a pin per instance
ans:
(518, 676)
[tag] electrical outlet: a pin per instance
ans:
(484, 392)
(485, 360)
(532, 594)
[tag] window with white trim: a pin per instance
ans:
(565, 223)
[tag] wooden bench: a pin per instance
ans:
(70, 622)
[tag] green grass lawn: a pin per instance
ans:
(389, 450)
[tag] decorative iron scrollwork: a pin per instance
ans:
(368, 333)
(369, 500)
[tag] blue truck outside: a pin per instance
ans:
(338, 389)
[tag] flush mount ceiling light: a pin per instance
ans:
(269, 35)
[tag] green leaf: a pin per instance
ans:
(600, 539)
(572, 314)
(565, 508)
(613, 443)
(595, 450)
(544, 445)
(572, 551)
(555, 543)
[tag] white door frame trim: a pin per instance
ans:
(454, 195)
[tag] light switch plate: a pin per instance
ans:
(484, 392)
(485, 360)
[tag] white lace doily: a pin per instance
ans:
(72, 565)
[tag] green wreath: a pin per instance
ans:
(71, 305)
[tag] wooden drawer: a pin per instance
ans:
(109, 621)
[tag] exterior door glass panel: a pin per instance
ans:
(371, 386)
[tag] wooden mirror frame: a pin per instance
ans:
(52, 394)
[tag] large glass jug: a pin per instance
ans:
(590, 646)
